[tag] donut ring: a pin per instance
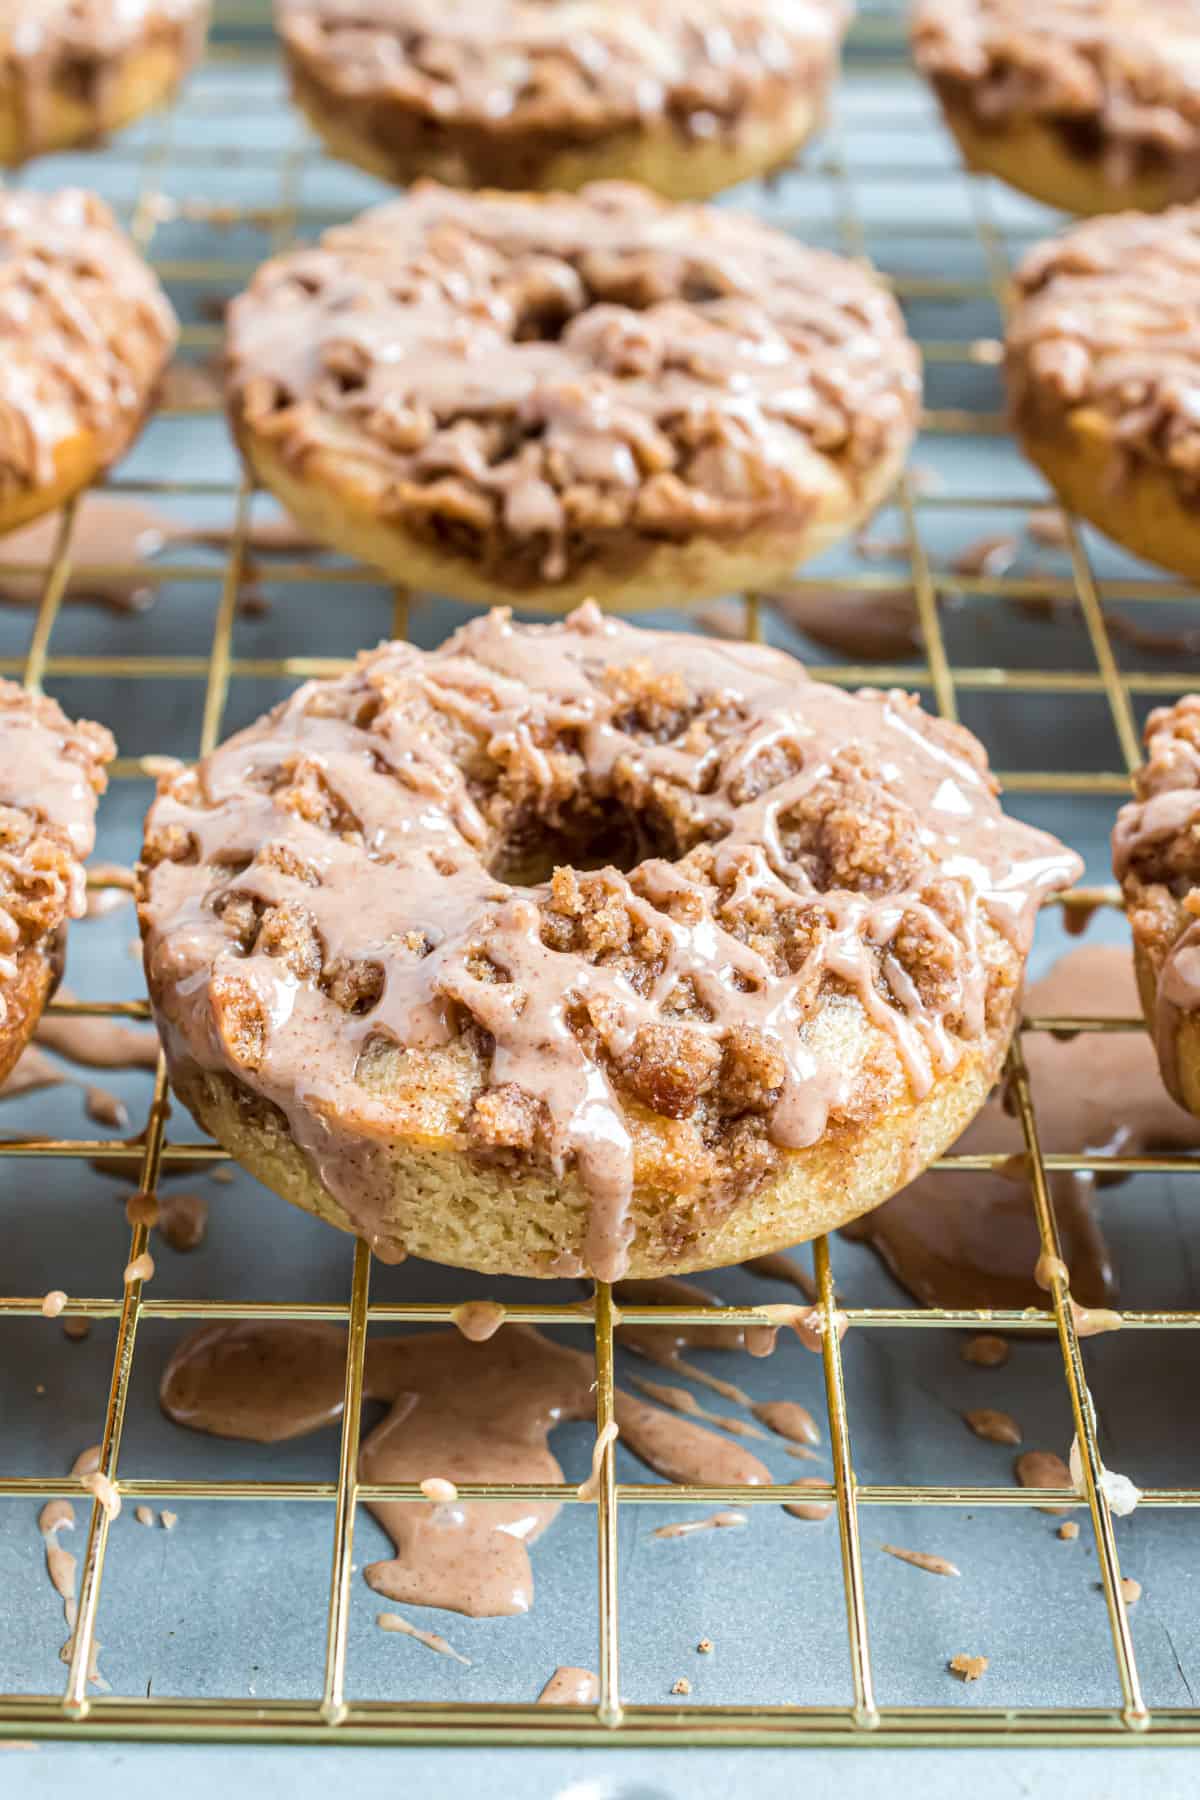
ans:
(86, 331)
(72, 71)
(550, 399)
(51, 772)
(392, 980)
(1092, 106)
(688, 96)
(1156, 857)
(1103, 350)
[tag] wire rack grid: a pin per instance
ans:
(329, 1716)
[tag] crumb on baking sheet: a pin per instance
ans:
(705, 1646)
(1068, 1530)
(1131, 1590)
(169, 1520)
(144, 1515)
(985, 1350)
(682, 1686)
(967, 1668)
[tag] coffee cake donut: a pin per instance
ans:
(86, 331)
(71, 71)
(689, 96)
(1090, 105)
(1103, 357)
(1156, 856)
(547, 399)
(577, 948)
(51, 772)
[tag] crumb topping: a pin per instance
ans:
(1156, 857)
(1117, 80)
(501, 80)
(377, 908)
(1106, 320)
(51, 772)
(539, 384)
(86, 329)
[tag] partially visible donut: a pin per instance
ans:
(85, 332)
(688, 96)
(1156, 856)
(545, 399)
(51, 772)
(579, 948)
(71, 71)
(1089, 105)
(1103, 359)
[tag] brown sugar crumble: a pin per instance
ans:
(985, 1350)
(968, 1668)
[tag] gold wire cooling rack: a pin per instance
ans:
(329, 1717)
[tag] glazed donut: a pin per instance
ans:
(71, 71)
(547, 399)
(580, 949)
(87, 332)
(51, 772)
(1103, 355)
(1156, 856)
(1089, 105)
(688, 96)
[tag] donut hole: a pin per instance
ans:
(78, 78)
(348, 381)
(585, 839)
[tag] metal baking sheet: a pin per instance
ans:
(233, 1603)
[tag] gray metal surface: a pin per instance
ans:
(233, 1602)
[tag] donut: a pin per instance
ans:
(87, 332)
(1156, 857)
(688, 96)
(546, 399)
(1092, 106)
(583, 949)
(1103, 354)
(71, 71)
(51, 773)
